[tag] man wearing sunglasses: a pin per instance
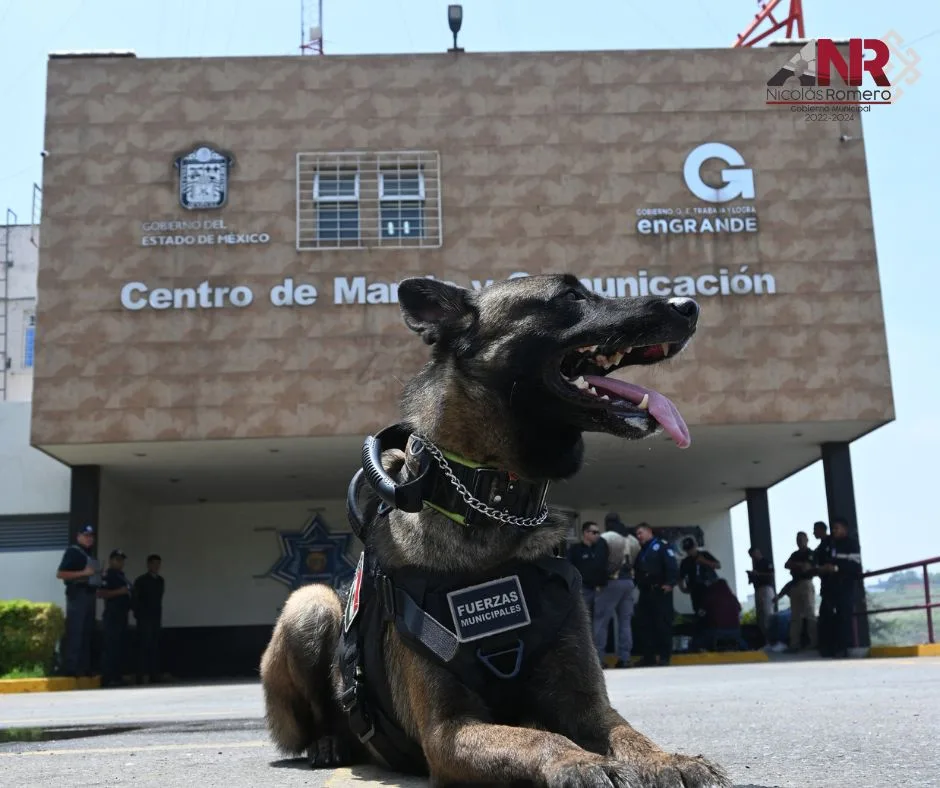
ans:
(589, 557)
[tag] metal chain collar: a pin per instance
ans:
(473, 503)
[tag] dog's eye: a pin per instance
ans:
(572, 295)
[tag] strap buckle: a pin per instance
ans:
(360, 721)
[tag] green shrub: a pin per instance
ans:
(29, 632)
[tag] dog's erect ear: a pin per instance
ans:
(431, 308)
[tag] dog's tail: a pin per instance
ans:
(296, 668)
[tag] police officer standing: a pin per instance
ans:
(116, 593)
(656, 572)
(843, 567)
(589, 557)
(80, 572)
(825, 624)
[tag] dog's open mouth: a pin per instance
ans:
(583, 374)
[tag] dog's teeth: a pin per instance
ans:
(645, 402)
(584, 349)
(581, 383)
(628, 351)
(616, 358)
(592, 390)
(606, 398)
(593, 348)
(665, 347)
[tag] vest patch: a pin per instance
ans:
(488, 608)
(352, 601)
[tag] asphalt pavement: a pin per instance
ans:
(857, 723)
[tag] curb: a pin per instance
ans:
(720, 658)
(922, 650)
(706, 658)
(51, 684)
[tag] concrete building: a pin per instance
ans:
(222, 238)
(34, 488)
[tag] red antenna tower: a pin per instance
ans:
(311, 38)
(794, 17)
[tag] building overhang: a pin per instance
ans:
(711, 475)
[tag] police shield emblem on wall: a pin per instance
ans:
(203, 178)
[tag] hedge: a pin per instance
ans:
(29, 633)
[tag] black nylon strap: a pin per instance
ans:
(425, 628)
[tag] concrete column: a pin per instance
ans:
(85, 499)
(840, 500)
(758, 521)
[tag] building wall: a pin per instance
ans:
(214, 555)
(21, 311)
(545, 159)
(31, 482)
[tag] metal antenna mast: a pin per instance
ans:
(793, 19)
(311, 30)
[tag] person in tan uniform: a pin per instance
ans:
(802, 593)
(616, 598)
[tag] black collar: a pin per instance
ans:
(456, 487)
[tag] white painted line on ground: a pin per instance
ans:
(60, 721)
(139, 748)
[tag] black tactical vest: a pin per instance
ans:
(488, 629)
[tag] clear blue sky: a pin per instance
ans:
(896, 468)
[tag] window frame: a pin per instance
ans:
(336, 197)
(402, 197)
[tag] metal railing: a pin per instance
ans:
(928, 605)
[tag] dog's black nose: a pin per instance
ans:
(685, 307)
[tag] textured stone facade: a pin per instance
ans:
(545, 160)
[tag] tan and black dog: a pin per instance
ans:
(475, 662)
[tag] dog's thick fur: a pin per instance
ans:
(488, 395)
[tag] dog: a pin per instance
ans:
(517, 374)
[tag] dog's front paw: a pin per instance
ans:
(592, 772)
(697, 772)
(683, 771)
(327, 752)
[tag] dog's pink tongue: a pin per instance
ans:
(661, 407)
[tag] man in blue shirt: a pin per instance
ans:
(81, 574)
(656, 574)
(116, 593)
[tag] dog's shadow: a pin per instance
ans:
(373, 775)
(369, 775)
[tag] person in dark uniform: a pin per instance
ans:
(656, 573)
(81, 574)
(825, 623)
(116, 593)
(589, 557)
(148, 612)
(697, 572)
(844, 568)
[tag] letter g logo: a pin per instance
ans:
(738, 182)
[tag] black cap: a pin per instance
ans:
(118, 554)
(86, 529)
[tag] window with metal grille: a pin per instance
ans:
(362, 200)
(20, 533)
